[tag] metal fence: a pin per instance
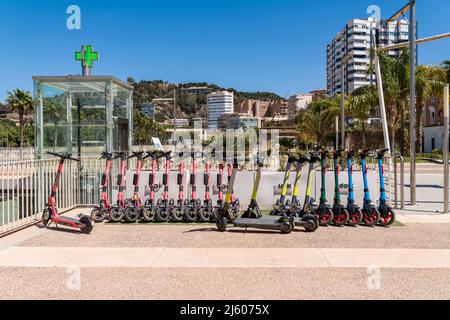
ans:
(16, 154)
(26, 185)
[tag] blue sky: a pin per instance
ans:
(267, 45)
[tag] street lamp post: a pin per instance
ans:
(412, 102)
(446, 148)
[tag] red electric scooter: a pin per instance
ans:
(134, 210)
(177, 212)
(99, 213)
(117, 212)
(165, 204)
(149, 210)
(50, 213)
(193, 206)
(205, 212)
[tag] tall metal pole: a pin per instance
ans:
(446, 147)
(174, 112)
(337, 132)
(342, 104)
(412, 102)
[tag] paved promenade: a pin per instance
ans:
(408, 261)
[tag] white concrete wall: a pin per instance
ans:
(438, 134)
(269, 182)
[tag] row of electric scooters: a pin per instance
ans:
(163, 209)
(286, 215)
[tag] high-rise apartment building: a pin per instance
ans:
(354, 43)
(219, 103)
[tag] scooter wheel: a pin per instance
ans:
(215, 214)
(46, 216)
(177, 214)
(340, 217)
(325, 217)
(387, 219)
(98, 215)
(222, 224)
(162, 215)
(115, 215)
(148, 214)
(132, 214)
(312, 224)
(87, 225)
(355, 218)
(287, 227)
(204, 215)
(190, 214)
(371, 217)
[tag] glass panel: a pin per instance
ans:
(54, 118)
(74, 117)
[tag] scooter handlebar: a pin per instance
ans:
(136, 155)
(106, 155)
(67, 156)
(122, 155)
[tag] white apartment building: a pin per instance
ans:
(297, 103)
(354, 42)
(219, 103)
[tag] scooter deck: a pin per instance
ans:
(260, 223)
(298, 222)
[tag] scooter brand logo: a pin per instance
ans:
(73, 22)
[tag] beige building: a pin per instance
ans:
(262, 109)
(297, 103)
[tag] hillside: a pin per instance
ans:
(189, 106)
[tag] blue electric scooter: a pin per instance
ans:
(387, 214)
(355, 214)
(371, 215)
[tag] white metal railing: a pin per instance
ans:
(16, 154)
(26, 185)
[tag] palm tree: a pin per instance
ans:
(318, 120)
(393, 89)
(446, 66)
(429, 82)
(22, 103)
(362, 103)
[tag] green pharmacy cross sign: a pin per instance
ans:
(87, 56)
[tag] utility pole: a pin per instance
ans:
(446, 147)
(412, 102)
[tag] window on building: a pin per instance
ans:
(432, 111)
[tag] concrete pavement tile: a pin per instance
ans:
(83, 257)
(181, 257)
(239, 258)
(298, 258)
(388, 258)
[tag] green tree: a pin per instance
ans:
(21, 102)
(362, 103)
(429, 82)
(446, 66)
(318, 120)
